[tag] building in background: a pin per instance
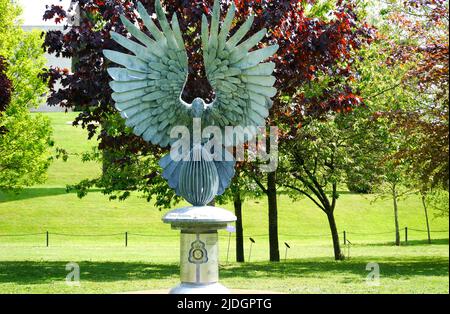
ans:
(32, 19)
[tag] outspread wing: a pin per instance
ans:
(147, 88)
(243, 83)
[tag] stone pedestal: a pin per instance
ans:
(199, 247)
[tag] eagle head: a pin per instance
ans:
(198, 106)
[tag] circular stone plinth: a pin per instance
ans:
(201, 216)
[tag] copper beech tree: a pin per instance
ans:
(311, 44)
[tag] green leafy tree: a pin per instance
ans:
(324, 151)
(24, 137)
(242, 187)
(425, 127)
(404, 80)
(439, 201)
(380, 82)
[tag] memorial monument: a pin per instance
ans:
(147, 93)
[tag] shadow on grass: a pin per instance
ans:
(35, 272)
(30, 193)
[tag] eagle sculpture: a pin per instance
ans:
(148, 88)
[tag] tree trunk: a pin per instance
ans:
(273, 217)
(397, 228)
(335, 235)
(426, 218)
(239, 229)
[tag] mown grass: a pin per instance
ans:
(150, 260)
(409, 274)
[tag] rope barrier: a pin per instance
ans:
(220, 235)
(85, 235)
(304, 235)
(283, 235)
(377, 233)
(153, 235)
(21, 234)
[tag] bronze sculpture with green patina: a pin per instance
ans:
(148, 88)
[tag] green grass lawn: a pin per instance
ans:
(150, 260)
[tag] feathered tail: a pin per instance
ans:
(224, 166)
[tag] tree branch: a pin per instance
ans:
(311, 188)
(306, 194)
(384, 91)
(324, 198)
(261, 186)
